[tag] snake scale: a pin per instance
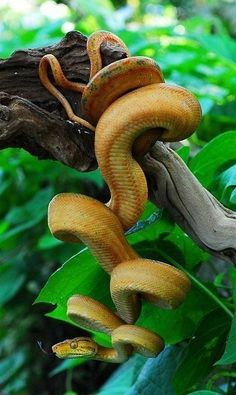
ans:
(129, 106)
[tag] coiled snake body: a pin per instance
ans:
(131, 107)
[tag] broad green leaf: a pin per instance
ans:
(185, 317)
(80, 274)
(203, 350)
(229, 355)
(124, 377)
(187, 251)
(139, 375)
(156, 376)
(218, 153)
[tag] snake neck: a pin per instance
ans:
(118, 355)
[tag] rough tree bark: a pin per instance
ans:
(32, 119)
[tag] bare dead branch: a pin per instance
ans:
(192, 207)
(24, 124)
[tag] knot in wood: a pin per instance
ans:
(4, 113)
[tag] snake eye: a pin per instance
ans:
(73, 344)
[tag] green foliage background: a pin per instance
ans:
(194, 49)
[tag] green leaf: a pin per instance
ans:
(17, 383)
(28, 215)
(35, 209)
(229, 355)
(10, 282)
(80, 274)
(124, 377)
(65, 365)
(224, 186)
(223, 45)
(203, 350)
(47, 241)
(185, 317)
(210, 159)
(184, 152)
(10, 365)
(145, 376)
(219, 279)
(156, 376)
(187, 251)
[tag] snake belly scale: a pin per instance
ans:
(128, 106)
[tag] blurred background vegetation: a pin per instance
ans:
(194, 43)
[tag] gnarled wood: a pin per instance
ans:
(173, 187)
(24, 124)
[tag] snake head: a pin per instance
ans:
(75, 348)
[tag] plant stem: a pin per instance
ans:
(198, 284)
(69, 375)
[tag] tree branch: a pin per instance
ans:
(24, 124)
(173, 187)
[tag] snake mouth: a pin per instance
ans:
(70, 355)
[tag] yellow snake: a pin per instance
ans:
(72, 218)
(131, 107)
